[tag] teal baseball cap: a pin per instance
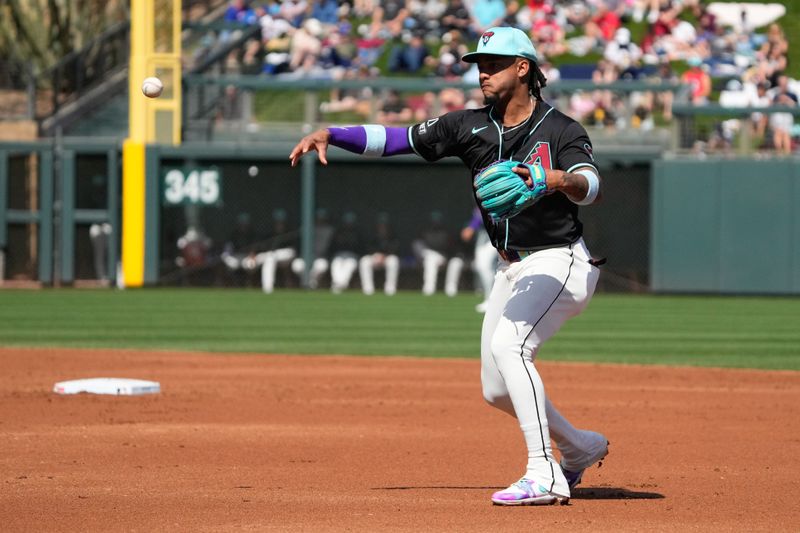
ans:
(503, 41)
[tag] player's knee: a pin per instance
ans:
(510, 346)
(491, 396)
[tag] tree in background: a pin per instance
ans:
(37, 33)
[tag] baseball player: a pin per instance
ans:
(346, 248)
(484, 262)
(545, 273)
(283, 250)
(383, 252)
(435, 249)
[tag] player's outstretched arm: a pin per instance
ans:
(314, 141)
(369, 140)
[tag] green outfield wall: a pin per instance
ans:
(667, 225)
(726, 226)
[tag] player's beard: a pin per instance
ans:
(490, 99)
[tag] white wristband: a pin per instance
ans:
(376, 140)
(594, 186)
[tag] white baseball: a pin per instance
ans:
(152, 87)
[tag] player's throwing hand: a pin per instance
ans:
(314, 141)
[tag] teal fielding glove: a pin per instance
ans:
(503, 194)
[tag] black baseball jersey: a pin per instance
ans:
(547, 137)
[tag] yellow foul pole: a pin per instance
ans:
(155, 51)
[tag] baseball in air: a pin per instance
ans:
(152, 87)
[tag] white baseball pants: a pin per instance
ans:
(318, 267)
(343, 266)
(432, 261)
(529, 302)
(269, 263)
(366, 270)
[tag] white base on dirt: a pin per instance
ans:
(114, 386)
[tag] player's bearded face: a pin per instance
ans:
(497, 75)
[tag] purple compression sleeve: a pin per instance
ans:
(354, 139)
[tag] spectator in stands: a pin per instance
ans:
(698, 79)
(621, 52)
(325, 11)
(294, 11)
(355, 100)
(273, 25)
(577, 14)
(451, 99)
(347, 249)
(338, 50)
(383, 252)
(388, 19)
(424, 16)
(306, 46)
(435, 248)
(487, 14)
(408, 57)
(761, 98)
(775, 62)
(282, 250)
(548, 35)
(606, 72)
(252, 61)
(364, 8)
(277, 48)
(394, 109)
(776, 44)
(238, 11)
(448, 64)
(782, 123)
(456, 18)
(662, 99)
(602, 26)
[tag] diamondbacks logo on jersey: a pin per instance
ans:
(486, 36)
(425, 125)
(540, 155)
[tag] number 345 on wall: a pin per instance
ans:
(192, 186)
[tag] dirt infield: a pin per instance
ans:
(277, 443)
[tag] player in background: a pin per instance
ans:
(435, 249)
(382, 252)
(484, 261)
(283, 250)
(323, 235)
(545, 273)
(346, 248)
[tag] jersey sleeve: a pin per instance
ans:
(575, 148)
(437, 137)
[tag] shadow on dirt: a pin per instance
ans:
(613, 493)
(589, 493)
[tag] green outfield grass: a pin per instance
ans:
(673, 330)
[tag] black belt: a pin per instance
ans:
(512, 256)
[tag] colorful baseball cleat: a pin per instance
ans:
(574, 476)
(526, 492)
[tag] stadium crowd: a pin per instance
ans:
(722, 58)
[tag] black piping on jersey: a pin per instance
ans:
(500, 149)
(522, 358)
(534, 129)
